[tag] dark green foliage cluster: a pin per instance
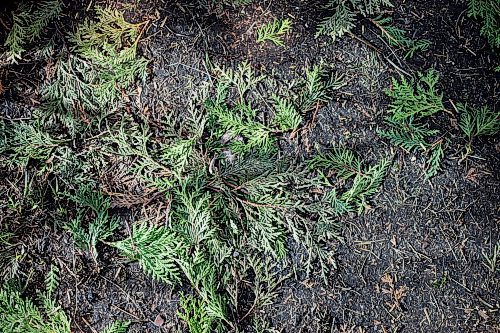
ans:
(344, 12)
(318, 87)
(398, 37)
(96, 206)
(28, 25)
(476, 122)
(411, 103)
(488, 11)
(345, 165)
(20, 315)
(415, 100)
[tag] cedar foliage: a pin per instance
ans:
(21, 315)
(412, 102)
(28, 25)
(273, 31)
(488, 11)
(234, 201)
(476, 122)
(398, 37)
(87, 84)
(344, 13)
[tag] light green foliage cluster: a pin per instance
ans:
(412, 102)
(286, 116)
(344, 13)
(345, 165)
(156, 249)
(273, 31)
(476, 122)
(489, 13)
(101, 225)
(20, 315)
(398, 37)
(25, 141)
(88, 83)
(28, 25)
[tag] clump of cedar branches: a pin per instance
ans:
(238, 205)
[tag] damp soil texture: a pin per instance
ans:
(419, 259)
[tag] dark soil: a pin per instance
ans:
(414, 262)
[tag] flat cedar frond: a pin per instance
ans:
(25, 141)
(489, 13)
(52, 280)
(340, 160)
(195, 315)
(318, 87)
(366, 185)
(117, 326)
(133, 142)
(346, 165)
(339, 23)
(156, 249)
(86, 196)
(266, 281)
(478, 121)
(28, 24)
(178, 154)
(20, 315)
(192, 211)
(267, 232)
(100, 227)
(247, 167)
(412, 100)
(244, 134)
(339, 206)
(203, 276)
(286, 116)
(435, 157)
(242, 79)
(109, 32)
(398, 37)
(273, 31)
(408, 135)
(411, 103)
(344, 12)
